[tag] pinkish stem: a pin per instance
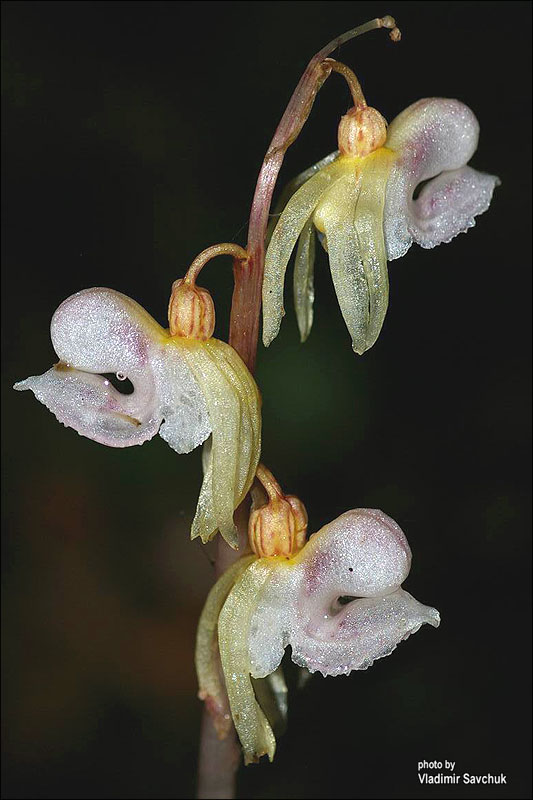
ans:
(219, 759)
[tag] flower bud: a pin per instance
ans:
(300, 520)
(191, 311)
(361, 131)
(279, 527)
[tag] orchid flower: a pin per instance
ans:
(360, 200)
(187, 386)
(336, 600)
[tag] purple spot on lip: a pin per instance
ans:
(344, 621)
(135, 338)
(315, 570)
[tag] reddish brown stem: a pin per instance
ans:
(219, 759)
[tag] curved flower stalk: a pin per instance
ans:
(360, 200)
(187, 386)
(337, 601)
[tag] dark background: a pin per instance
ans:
(133, 134)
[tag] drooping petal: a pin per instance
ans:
(305, 254)
(253, 728)
(272, 695)
(284, 238)
(347, 271)
(186, 419)
(431, 137)
(273, 618)
(246, 388)
(304, 292)
(211, 687)
(234, 403)
(362, 555)
(351, 217)
(204, 522)
(369, 224)
(292, 187)
(102, 331)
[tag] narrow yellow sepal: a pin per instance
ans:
(256, 735)
(351, 217)
(234, 407)
(210, 683)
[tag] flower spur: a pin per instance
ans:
(295, 593)
(188, 386)
(360, 200)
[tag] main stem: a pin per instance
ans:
(219, 759)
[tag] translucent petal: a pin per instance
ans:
(103, 331)
(304, 292)
(337, 215)
(205, 523)
(234, 406)
(369, 224)
(211, 688)
(433, 136)
(284, 238)
(272, 695)
(252, 726)
(292, 187)
(305, 254)
(351, 216)
(186, 421)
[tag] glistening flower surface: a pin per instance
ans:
(184, 389)
(365, 214)
(266, 604)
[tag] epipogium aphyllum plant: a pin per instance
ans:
(335, 598)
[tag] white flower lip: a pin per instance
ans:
(434, 139)
(362, 554)
(100, 331)
(274, 603)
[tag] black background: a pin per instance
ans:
(133, 133)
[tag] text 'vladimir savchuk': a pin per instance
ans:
(453, 778)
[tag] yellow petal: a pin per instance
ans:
(369, 221)
(253, 728)
(290, 224)
(304, 292)
(335, 217)
(351, 216)
(210, 684)
(292, 187)
(272, 695)
(234, 407)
